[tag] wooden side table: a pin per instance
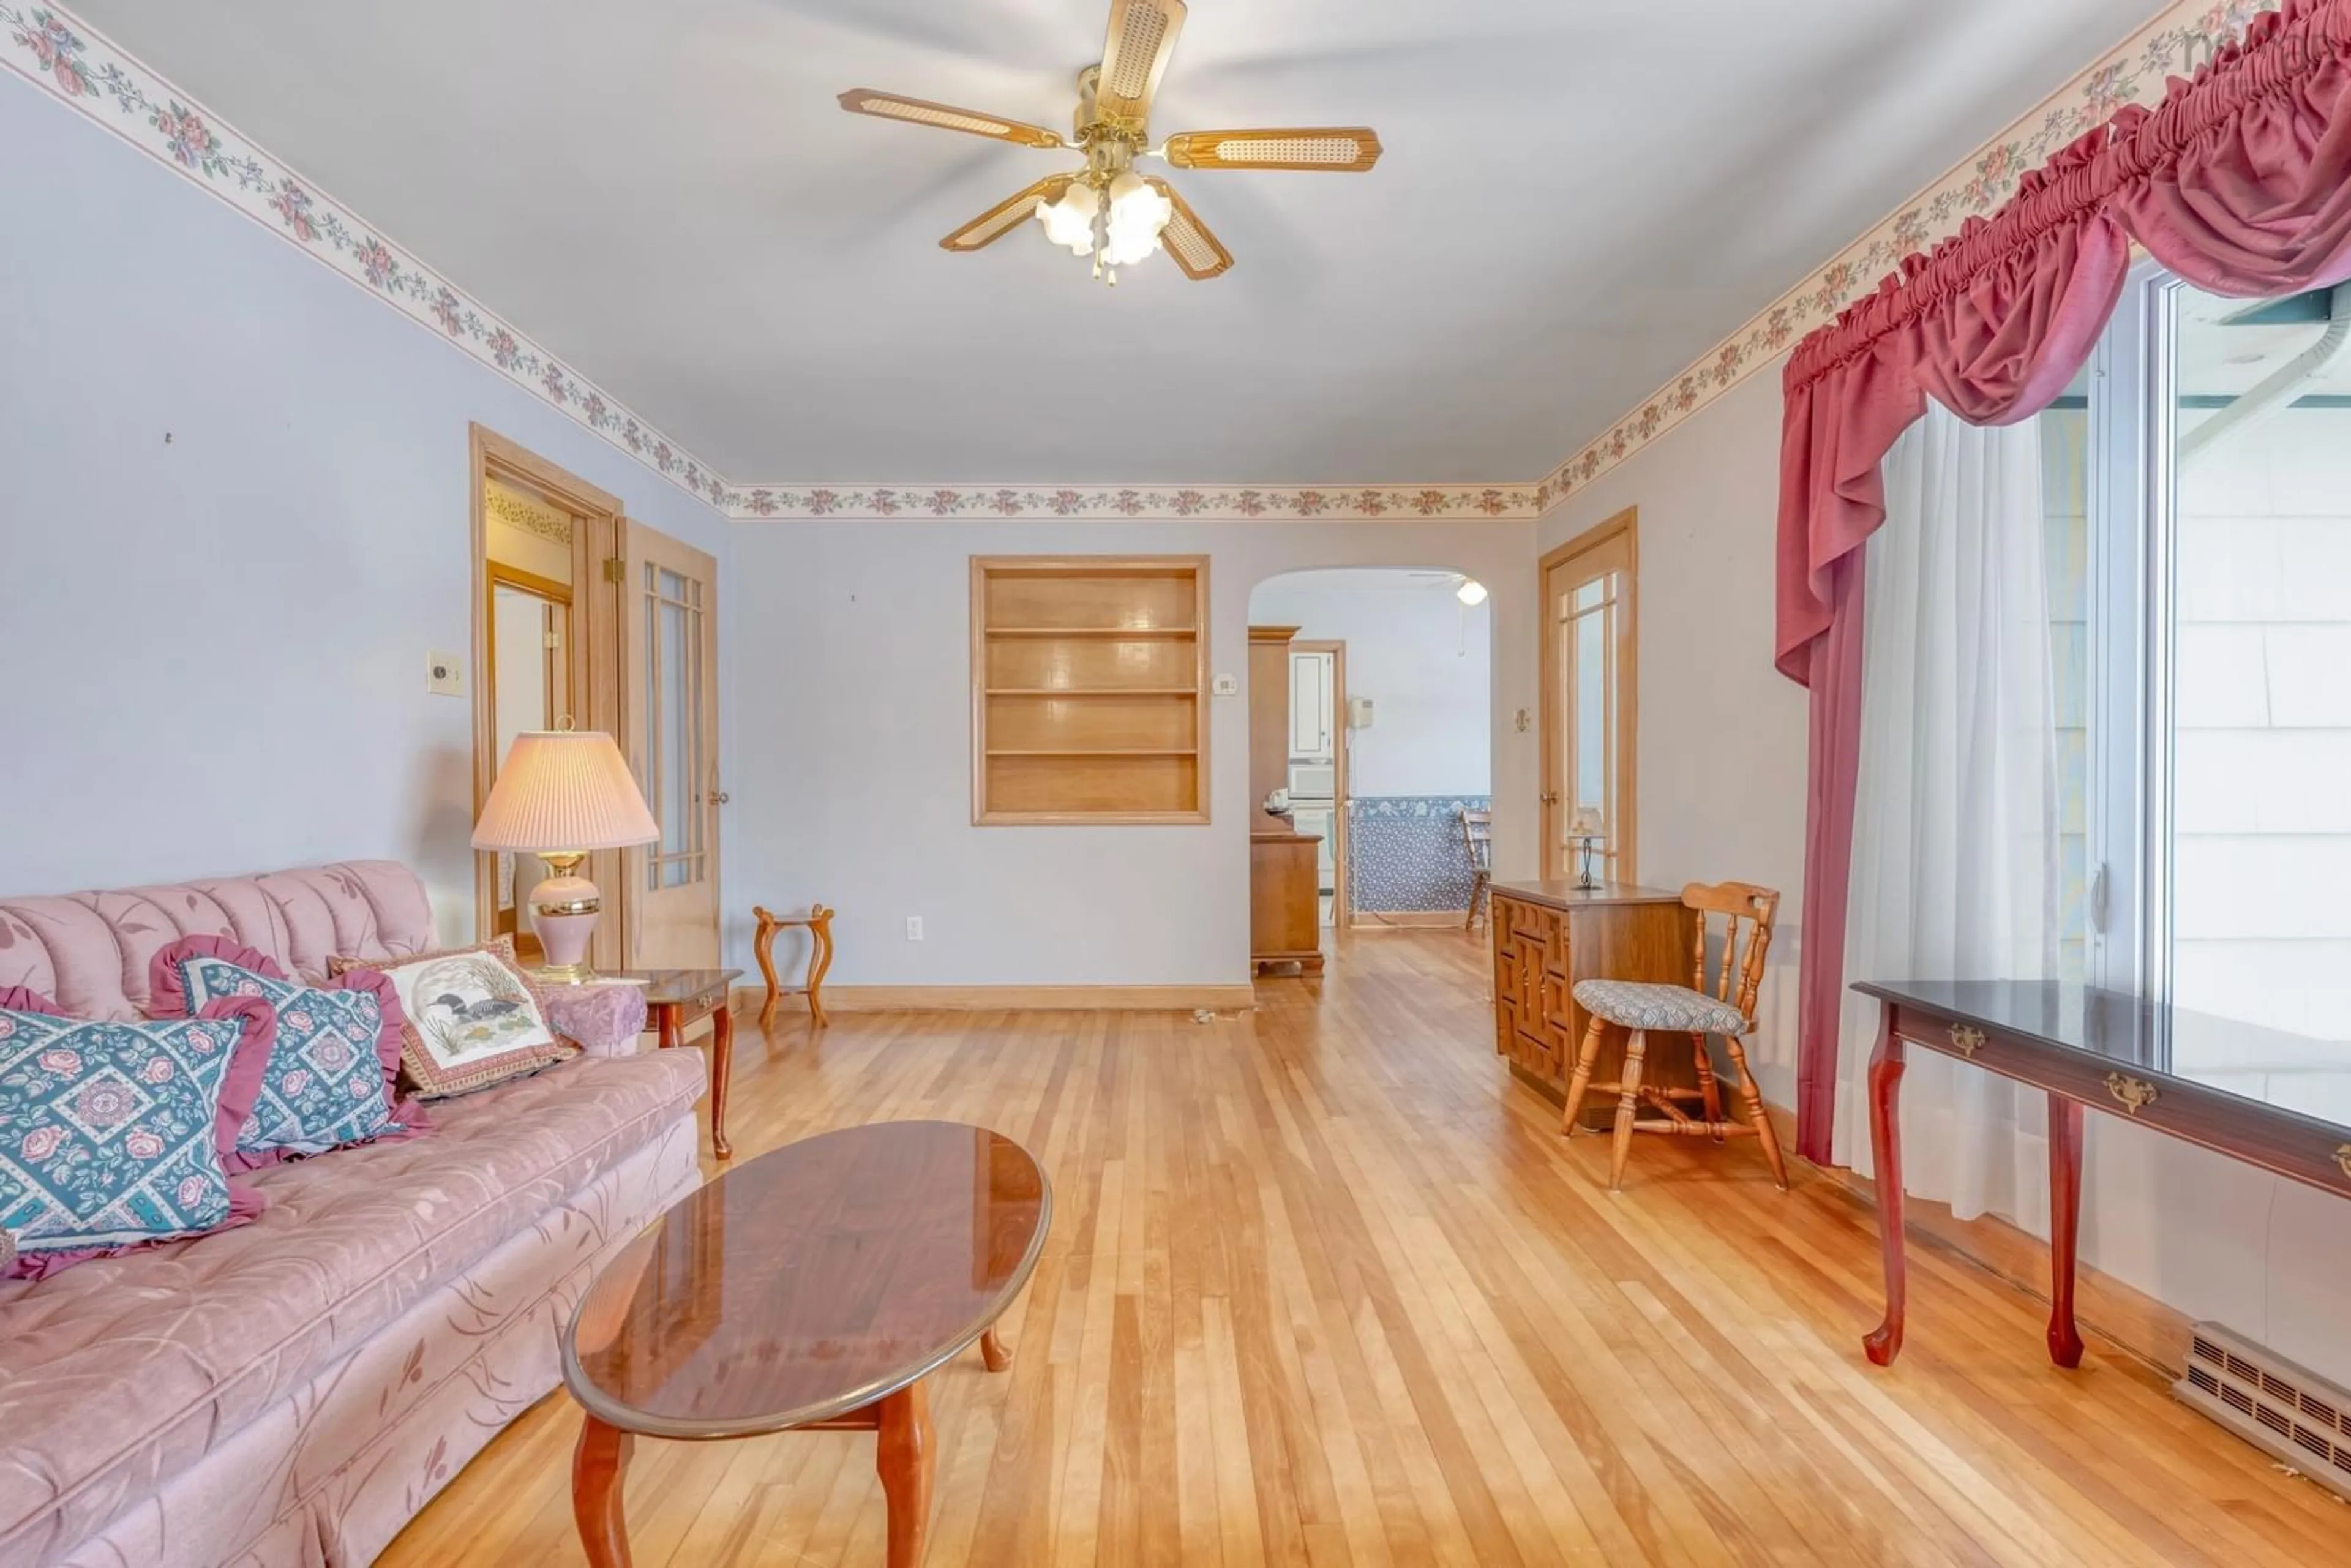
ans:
(677, 999)
(819, 922)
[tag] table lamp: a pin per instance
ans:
(1586, 829)
(561, 794)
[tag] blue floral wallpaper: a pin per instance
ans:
(1406, 854)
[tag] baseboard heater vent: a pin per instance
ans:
(2291, 1414)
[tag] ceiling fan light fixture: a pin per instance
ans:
(1105, 210)
(1471, 591)
(1070, 222)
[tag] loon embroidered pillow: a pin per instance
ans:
(473, 1019)
(332, 1070)
(115, 1135)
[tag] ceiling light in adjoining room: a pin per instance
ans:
(1471, 591)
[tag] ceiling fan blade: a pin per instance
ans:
(1142, 38)
(1334, 150)
(1006, 215)
(945, 117)
(1189, 241)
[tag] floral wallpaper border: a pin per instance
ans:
(56, 51)
(2176, 44)
(519, 511)
(1157, 503)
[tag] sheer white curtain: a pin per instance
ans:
(1955, 864)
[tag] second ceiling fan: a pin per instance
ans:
(1107, 210)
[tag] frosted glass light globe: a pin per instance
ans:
(1070, 222)
(1137, 214)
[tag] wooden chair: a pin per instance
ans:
(1694, 1010)
(1477, 843)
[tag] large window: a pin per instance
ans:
(2198, 531)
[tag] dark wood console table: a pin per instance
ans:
(2160, 1066)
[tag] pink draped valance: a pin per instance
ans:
(2239, 182)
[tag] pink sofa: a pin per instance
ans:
(293, 1392)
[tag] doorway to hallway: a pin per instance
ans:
(1387, 738)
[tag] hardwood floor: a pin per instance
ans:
(1325, 1286)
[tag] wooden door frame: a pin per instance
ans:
(498, 574)
(595, 656)
(1626, 524)
(1343, 914)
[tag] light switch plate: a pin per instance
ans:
(445, 674)
(1226, 687)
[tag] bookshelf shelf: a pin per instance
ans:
(1122, 636)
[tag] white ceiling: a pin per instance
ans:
(1362, 579)
(1577, 199)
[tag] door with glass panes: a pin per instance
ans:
(669, 628)
(1588, 690)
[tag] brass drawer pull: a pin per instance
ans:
(1967, 1040)
(2343, 1158)
(2136, 1093)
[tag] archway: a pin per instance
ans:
(1384, 731)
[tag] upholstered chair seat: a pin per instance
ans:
(1632, 1005)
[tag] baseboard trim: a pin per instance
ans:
(1015, 998)
(2156, 1334)
(1405, 919)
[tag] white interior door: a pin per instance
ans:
(1311, 722)
(669, 653)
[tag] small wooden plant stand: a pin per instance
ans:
(819, 922)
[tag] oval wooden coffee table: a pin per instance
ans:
(814, 1287)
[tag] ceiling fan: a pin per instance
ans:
(1106, 210)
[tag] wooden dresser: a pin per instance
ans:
(1285, 897)
(1550, 934)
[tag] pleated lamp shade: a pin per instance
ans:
(564, 790)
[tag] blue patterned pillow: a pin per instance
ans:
(327, 1087)
(113, 1134)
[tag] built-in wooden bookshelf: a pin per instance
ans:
(1089, 689)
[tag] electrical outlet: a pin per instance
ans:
(914, 928)
(445, 674)
(1226, 687)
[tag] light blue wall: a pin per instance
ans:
(216, 644)
(853, 690)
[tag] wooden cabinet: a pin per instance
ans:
(1269, 697)
(1285, 898)
(1548, 936)
(1089, 689)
